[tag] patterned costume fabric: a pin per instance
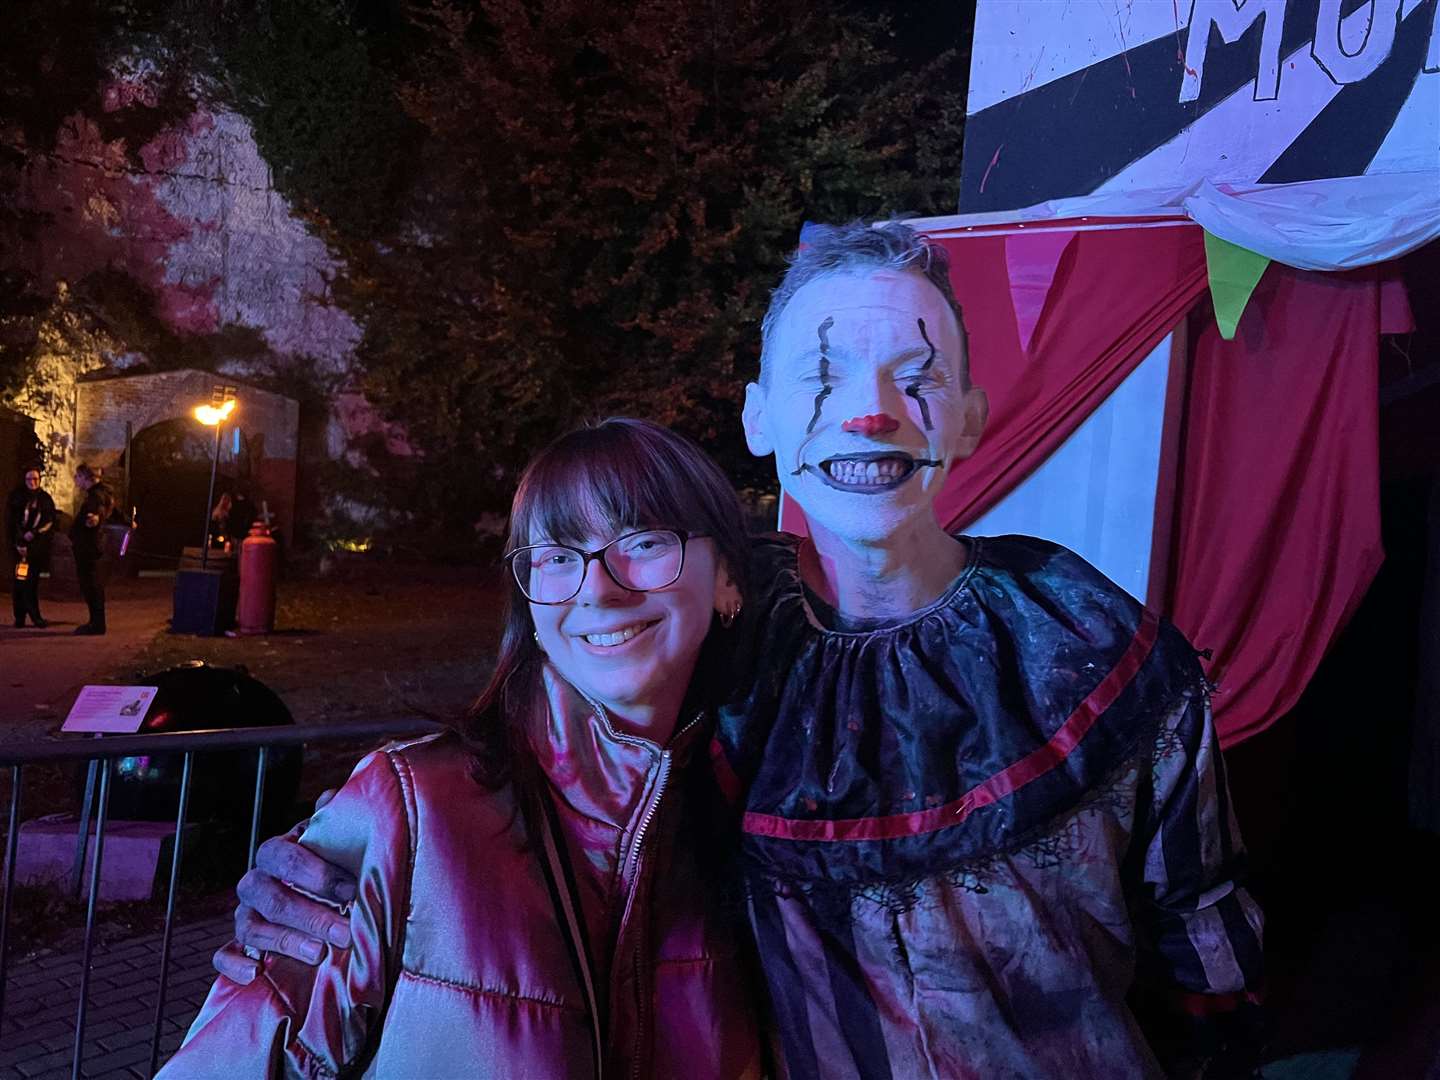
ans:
(967, 832)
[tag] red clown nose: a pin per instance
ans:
(875, 424)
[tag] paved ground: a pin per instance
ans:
(37, 1032)
(41, 671)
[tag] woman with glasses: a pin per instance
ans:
(29, 519)
(533, 898)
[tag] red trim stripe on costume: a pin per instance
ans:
(1032, 766)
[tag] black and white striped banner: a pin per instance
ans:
(1094, 97)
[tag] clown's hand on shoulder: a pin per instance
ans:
(275, 915)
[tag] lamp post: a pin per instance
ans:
(213, 415)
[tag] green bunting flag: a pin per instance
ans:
(1234, 273)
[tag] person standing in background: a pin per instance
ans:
(219, 531)
(85, 536)
(242, 515)
(29, 517)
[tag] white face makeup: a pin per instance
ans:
(866, 407)
(635, 652)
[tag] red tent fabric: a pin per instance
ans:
(1277, 522)
(1115, 293)
(1278, 507)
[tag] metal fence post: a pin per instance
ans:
(175, 852)
(82, 834)
(262, 759)
(90, 918)
(12, 845)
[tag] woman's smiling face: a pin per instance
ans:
(633, 652)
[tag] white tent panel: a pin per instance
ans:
(1413, 144)
(1096, 493)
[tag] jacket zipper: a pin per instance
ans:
(665, 759)
(641, 980)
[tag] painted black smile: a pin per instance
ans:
(844, 472)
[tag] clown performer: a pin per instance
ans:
(979, 793)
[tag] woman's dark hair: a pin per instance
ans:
(608, 477)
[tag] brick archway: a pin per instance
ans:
(270, 422)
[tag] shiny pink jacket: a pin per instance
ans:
(461, 963)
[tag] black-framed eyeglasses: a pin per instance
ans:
(640, 561)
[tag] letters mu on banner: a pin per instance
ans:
(1110, 96)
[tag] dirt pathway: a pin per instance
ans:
(41, 671)
(383, 642)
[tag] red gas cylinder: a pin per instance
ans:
(255, 613)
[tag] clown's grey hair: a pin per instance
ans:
(838, 249)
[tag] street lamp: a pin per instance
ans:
(222, 404)
(211, 416)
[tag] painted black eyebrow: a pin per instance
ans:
(913, 390)
(928, 344)
(823, 333)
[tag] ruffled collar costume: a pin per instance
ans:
(962, 830)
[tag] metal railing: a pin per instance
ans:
(100, 753)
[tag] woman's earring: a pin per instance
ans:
(727, 619)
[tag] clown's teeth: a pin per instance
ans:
(619, 637)
(863, 473)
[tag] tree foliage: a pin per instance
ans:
(59, 58)
(322, 108)
(598, 202)
(554, 210)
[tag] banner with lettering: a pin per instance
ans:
(1115, 98)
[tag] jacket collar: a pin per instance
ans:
(600, 772)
